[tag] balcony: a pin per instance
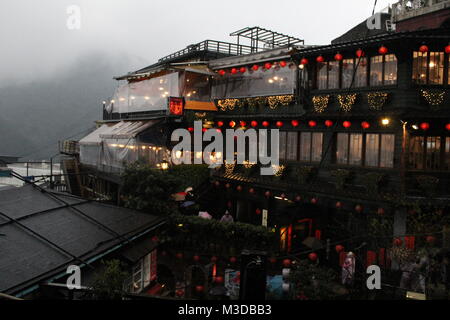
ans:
(406, 9)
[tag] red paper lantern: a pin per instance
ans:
(179, 255)
(254, 124)
(338, 204)
(304, 61)
(447, 126)
(365, 125)
(217, 184)
(251, 190)
(258, 211)
(295, 123)
(190, 129)
(204, 130)
(398, 242)
(320, 59)
(339, 248)
(268, 194)
(242, 69)
(220, 123)
(314, 200)
(283, 196)
(447, 49)
(381, 211)
(347, 124)
(199, 289)
(230, 204)
(268, 66)
(218, 280)
(222, 72)
(232, 124)
(425, 126)
(383, 50)
(283, 64)
(228, 186)
(360, 53)
(179, 293)
(243, 123)
(359, 208)
(431, 239)
(279, 124)
(155, 239)
(213, 259)
(338, 57)
(312, 257)
(298, 198)
(286, 263)
(234, 71)
(312, 123)
(329, 123)
(265, 124)
(423, 48)
(255, 67)
(196, 258)
(233, 259)
(273, 260)
(239, 188)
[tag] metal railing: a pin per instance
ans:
(404, 8)
(231, 49)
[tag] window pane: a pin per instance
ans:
(305, 146)
(416, 151)
(317, 141)
(333, 75)
(355, 151)
(387, 151)
(292, 146)
(322, 75)
(433, 153)
(361, 73)
(447, 153)
(372, 148)
(420, 67)
(283, 145)
(376, 71)
(436, 68)
(342, 148)
(390, 69)
(348, 67)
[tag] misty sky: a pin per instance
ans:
(36, 43)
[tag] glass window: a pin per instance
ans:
(322, 75)
(436, 67)
(305, 146)
(283, 145)
(355, 152)
(348, 67)
(349, 148)
(447, 154)
(433, 154)
(376, 71)
(276, 81)
(372, 150)
(317, 143)
(387, 151)
(342, 148)
(416, 152)
(420, 67)
(361, 73)
(390, 69)
(333, 75)
(196, 87)
(292, 146)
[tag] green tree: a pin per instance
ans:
(108, 284)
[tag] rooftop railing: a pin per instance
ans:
(405, 9)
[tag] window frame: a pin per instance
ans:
(444, 141)
(445, 69)
(311, 140)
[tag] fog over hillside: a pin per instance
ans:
(37, 114)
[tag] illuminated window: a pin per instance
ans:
(283, 136)
(349, 148)
(376, 71)
(292, 146)
(379, 150)
(429, 153)
(348, 68)
(322, 75)
(333, 75)
(383, 70)
(311, 146)
(428, 68)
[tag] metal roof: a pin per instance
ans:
(271, 38)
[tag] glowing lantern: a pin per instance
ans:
(179, 293)
(258, 211)
(320, 59)
(447, 49)
(425, 126)
(360, 53)
(347, 124)
(242, 69)
(359, 208)
(214, 259)
(268, 194)
(228, 186)
(255, 67)
(190, 129)
(179, 255)
(251, 190)
(233, 259)
(265, 124)
(398, 242)
(283, 196)
(339, 248)
(204, 130)
(338, 57)
(222, 72)
(273, 260)
(383, 50)
(196, 258)
(365, 125)
(304, 61)
(199, 289)
(423, 49)
(314, 200)
(232, 124)
(312, 123)
(217, 184)
(155, 239)
(338, 204)
(298, 198)
(239, 188)
(381, 211)
(220, 123)
(295, 123)
(243, 123)
(283, 64)
(279, 124)
(219, 280)
(447, 126)
(286, 263)
(254, 124)
(329, 123)
(268, 66)
(312, 257)
(431, 239)
(234, 71)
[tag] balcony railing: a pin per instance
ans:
(405, 9)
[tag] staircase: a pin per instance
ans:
(71, 172)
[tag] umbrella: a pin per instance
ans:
(205, 215)
(180, 196)
(313, 243)
(187, 204)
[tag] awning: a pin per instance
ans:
(200, 106)
(94, 137)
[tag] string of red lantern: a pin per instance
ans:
(255, 67)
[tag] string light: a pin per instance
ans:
(320, 103)
(434, 98)
(347, 101)
(275, 101)
(229, 104)
(377, 100)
